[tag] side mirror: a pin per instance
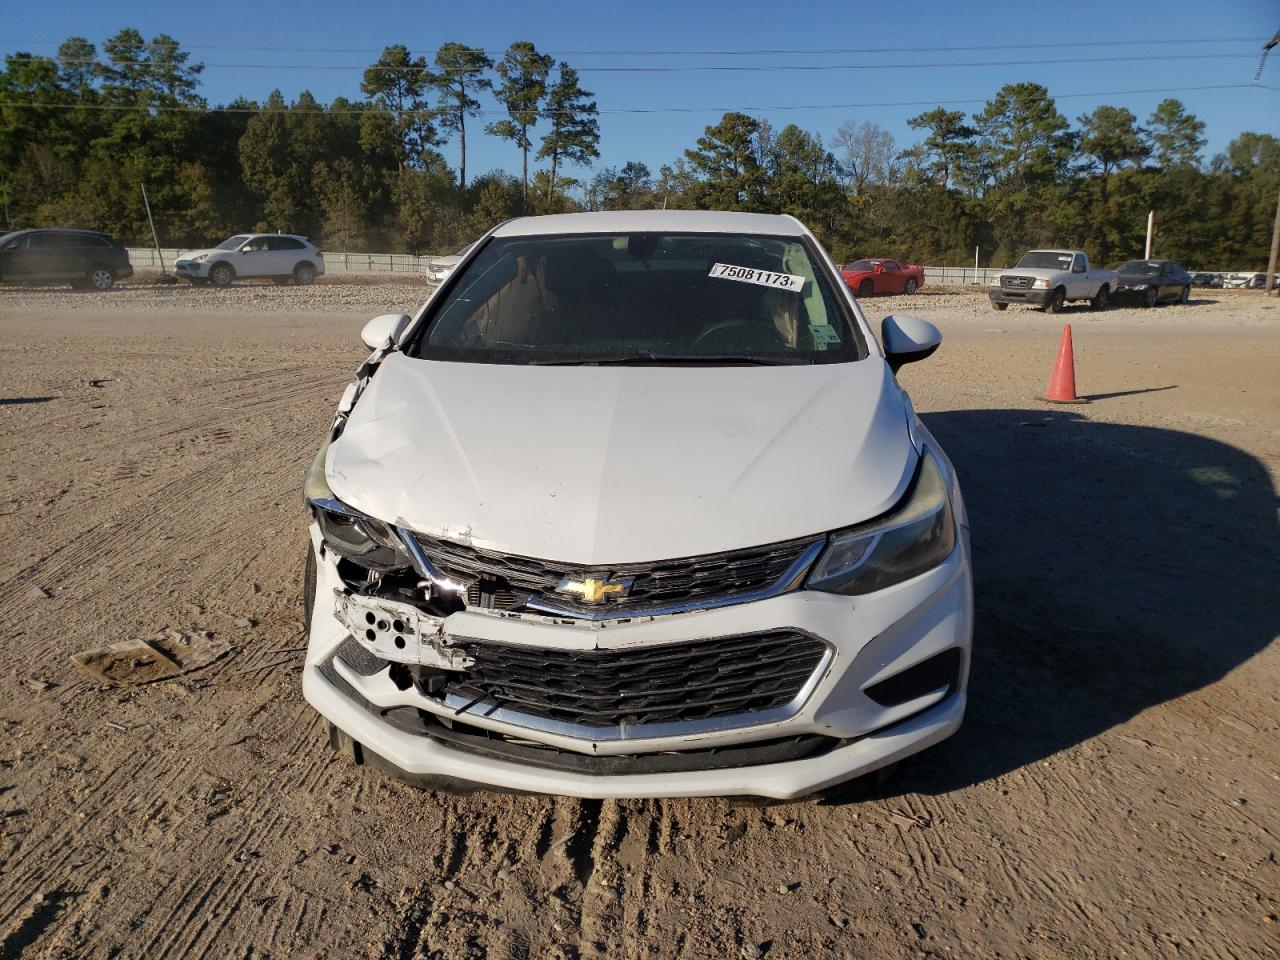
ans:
(385, 329)
(908, 339)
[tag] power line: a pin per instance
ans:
(780, 51)
(696, 68)
(304, 111)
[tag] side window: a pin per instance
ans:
(94, 240)
(43, 241)
(256, 245)
(21, 243)
(891, 266)
(285, 243)
(1077, 265)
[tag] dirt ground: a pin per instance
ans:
(1113, 792)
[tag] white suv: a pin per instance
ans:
(280, 257)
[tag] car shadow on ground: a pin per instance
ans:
(1116, 567)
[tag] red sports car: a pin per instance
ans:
(869, 277)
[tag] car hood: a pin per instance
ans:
(599, 465)
(1135, 278)
(197, 253)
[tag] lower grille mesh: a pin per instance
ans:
(672, 683)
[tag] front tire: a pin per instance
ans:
(100, 278)
(304, 274)
(866, 288)
(1185, 296)
(221, 274)
(309, 588)
(1057, 301)
(999, 306)
(1151, 297)
(1102, 300)
(910, 287)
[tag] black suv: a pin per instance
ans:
(86, 259)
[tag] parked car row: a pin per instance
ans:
(1050, 279)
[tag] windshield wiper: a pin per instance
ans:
(662, 358)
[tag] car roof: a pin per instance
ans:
(294, 236)
(674, 221)
(81, 230)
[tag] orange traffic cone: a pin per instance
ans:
(1062, 382)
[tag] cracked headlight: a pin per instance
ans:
(363, 540)
(914, 538)
(359, 538)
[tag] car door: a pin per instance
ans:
(1078, 282)
(892, 279)
(15, 258)
(254, 258)
(285, 254)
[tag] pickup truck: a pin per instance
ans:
(1050, 279)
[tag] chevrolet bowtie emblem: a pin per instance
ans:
(594, 589)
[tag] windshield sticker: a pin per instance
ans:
(823, 333)
(779, 281)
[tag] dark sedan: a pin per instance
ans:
(86, 259)
(1151, 281)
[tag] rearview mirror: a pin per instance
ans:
(380, 331)
(908, 339)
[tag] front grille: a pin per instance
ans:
(686, 682)
(514, 579)
(1017, 283)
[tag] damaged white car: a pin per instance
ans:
(634, 506)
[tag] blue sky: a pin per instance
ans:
(344, 37)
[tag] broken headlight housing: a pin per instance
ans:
(914, 538)
(357, 537)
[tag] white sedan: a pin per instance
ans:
(636, 507)
(280, 257)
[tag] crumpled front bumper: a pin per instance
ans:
(871, 638)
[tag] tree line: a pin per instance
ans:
(81, 130)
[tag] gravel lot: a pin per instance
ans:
(1113, 792)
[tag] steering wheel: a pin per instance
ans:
(772, 341)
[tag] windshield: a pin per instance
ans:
(1046, 260)
(640, 297)
(863, 265)
(1141, 267)
(231, 243)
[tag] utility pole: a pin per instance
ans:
(975, 264)
(1275, 230)
(1151, 226)
(154, 238)
(1275, 247)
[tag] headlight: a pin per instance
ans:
(361, 539)
(199, 257)
(916, 537)
(1040, 284)
(349, 533)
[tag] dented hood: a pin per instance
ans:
(600, 465)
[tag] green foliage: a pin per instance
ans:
(80, 131)
(462, 72)
(524, 72)
(575, 131)
(398, 84)
(1176, 135)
